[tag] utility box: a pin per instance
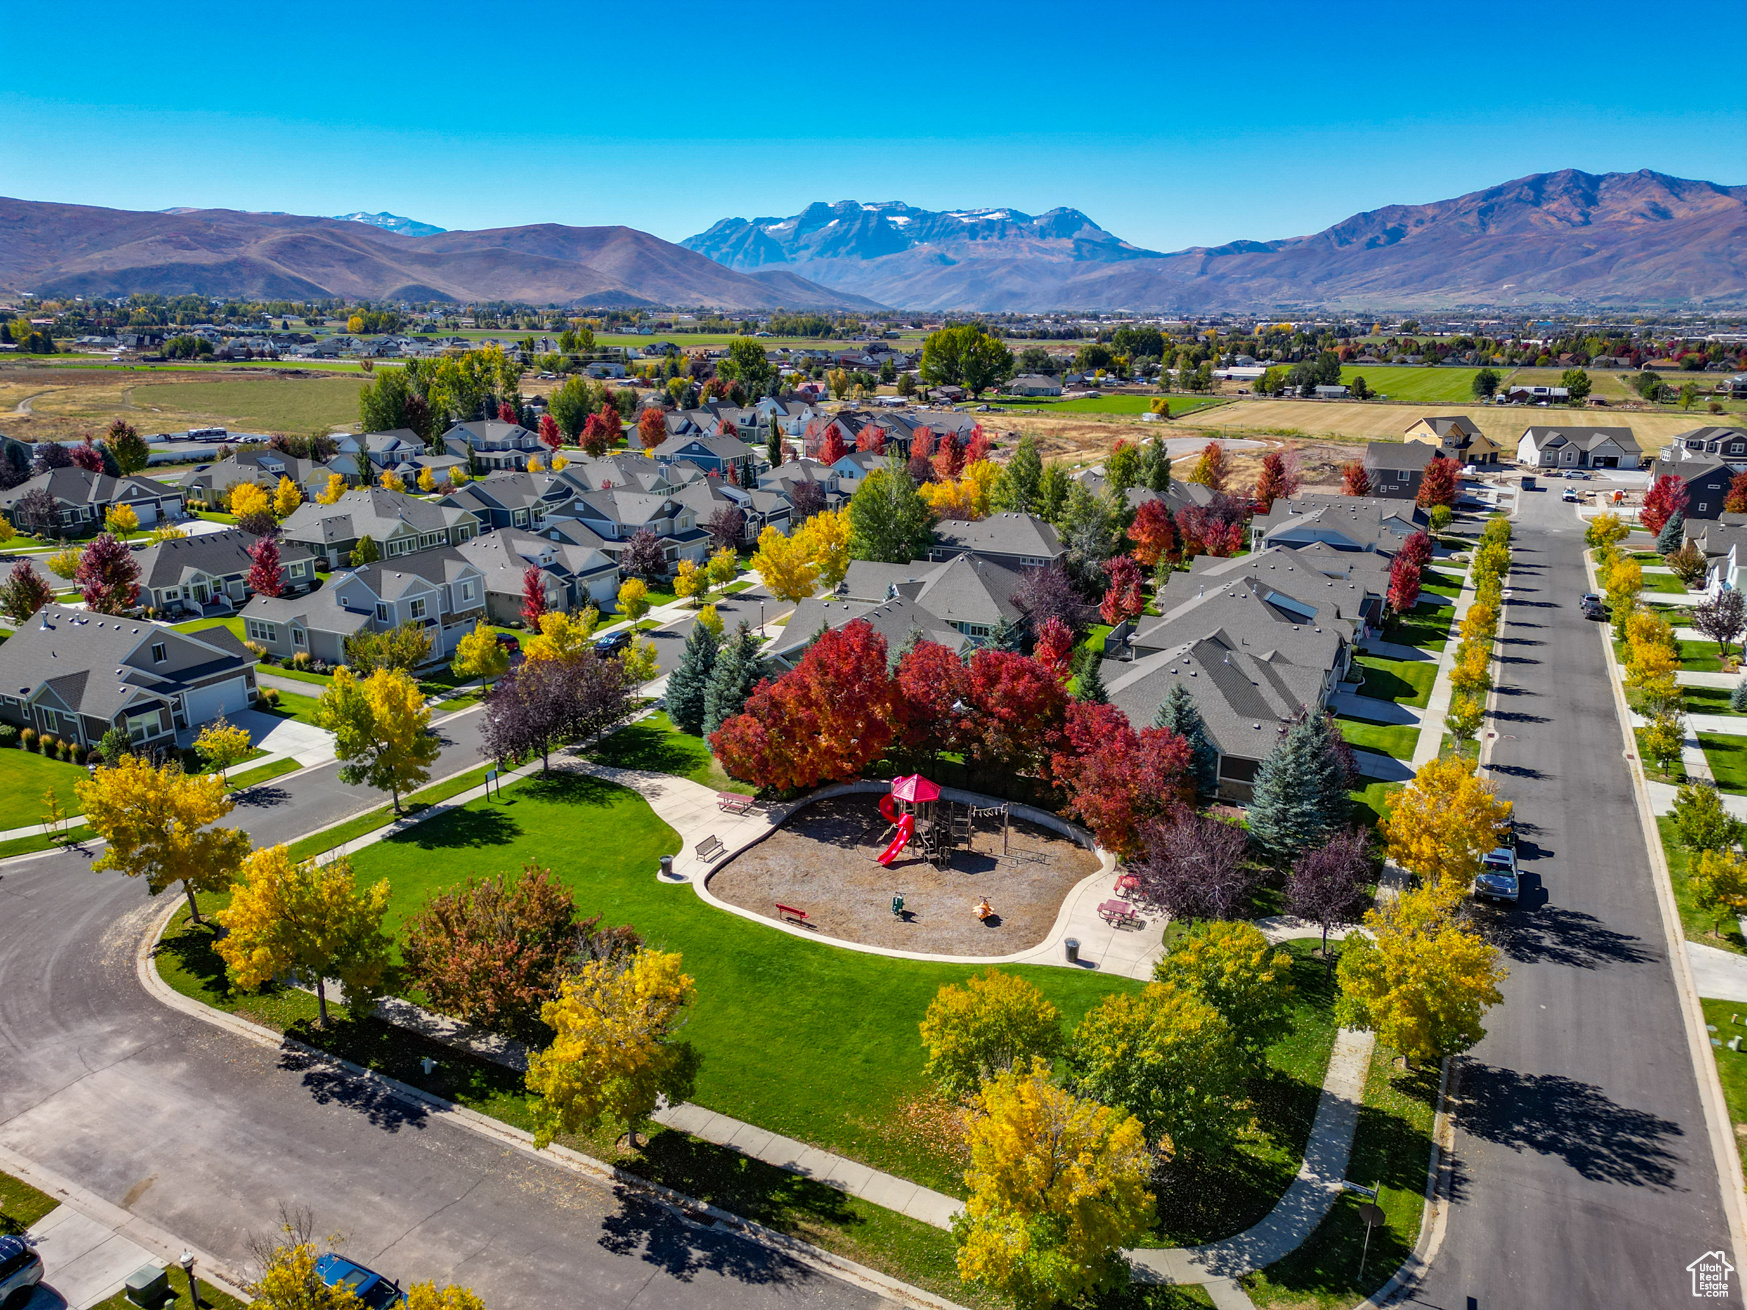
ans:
(149, 1285)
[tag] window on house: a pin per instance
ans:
(161, 652)
(418, 609)
(466, 591)
(1401, 475)
(1702, 508)
(297, 637)
(520, 518)
(381, 612)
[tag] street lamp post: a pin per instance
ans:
(187, 1263)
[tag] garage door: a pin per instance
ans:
(205, 703)
(147, 511)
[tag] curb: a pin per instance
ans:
(1721, 1131)
(685, 1208)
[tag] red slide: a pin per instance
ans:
(906, 827)
(888, 808)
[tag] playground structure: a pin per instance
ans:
(914, 811)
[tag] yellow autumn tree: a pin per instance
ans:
(157, 824)
(979, 480)
(390, 481)
(633, 599)
(222, 743)
(1480, 622)
(121, 521)
(946, 500)
(7, 531)
(783, 565)
(1057, 1192)
(336, 489)
(708, 618)
(380, 730)
(1625, 580)
(479, 655)
(427, 1296)
(723, 566)
(1606, 529)
(287, 496)
(165, 532)
(690, 582)
(1421, 980)
(561, 636)
(289, 1280)
(1472, 670)
(307, 918)
(613, 1052)
(534, 464)
(994, 1022)
(246, 498)
(825, 540)
(641, 661)
(426, 481)
(559, 463)
(1719, 884)
(1442, 823)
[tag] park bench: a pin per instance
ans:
(732, 802)
(790, 912)
(710, 847)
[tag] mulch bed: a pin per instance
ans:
(823, 861)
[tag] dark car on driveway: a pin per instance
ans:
(20, 1270)
(612, 643)
(370, 1287)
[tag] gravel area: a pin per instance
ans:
(822, 861)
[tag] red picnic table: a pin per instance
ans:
(1119, 913)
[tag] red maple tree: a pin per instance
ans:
(86, 456)
(978, 446)
(651, 428)
(949, 458)
(1355, 481)
(265, 576)
(1417, 548)
(601, 431)
(1055, 648)
(1019, 706)
(1438, 487)
(1276, 481)
(550, 436)
(832, 449)
(1123, 600)
(1404, 579)
(533, 596)
(872, 438)
(1736, 501)
(506, 412)
(1117, 780)
(937, 695)
(1153, 533)
(1666, 499)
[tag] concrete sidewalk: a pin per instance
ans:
(1355, 706)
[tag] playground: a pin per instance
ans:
(972, 881)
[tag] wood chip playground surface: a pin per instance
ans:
(823, 861)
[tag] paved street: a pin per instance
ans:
(205, 1134)
(1584, 1175)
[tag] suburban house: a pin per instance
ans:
(1033, 384)
(439, 590)
(493, 444)
(1729, 445)
(896, 620)
(575, 576)
(399, 524)
(1354, 583)
(1578, 447)
(393, 449)
(852, 470)
(75, 675)
(1397, 468)
(712, 454)
(1019, 541)
(1357, 523)
(208, 572)
(971, 596)
(1456, 437)
(620, 513)
(209, 484)
(1724, 543)
(83, 498)
(513, 500)
(1707, 482)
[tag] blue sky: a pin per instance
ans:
(1169, 125)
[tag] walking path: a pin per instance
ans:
(1431, 733)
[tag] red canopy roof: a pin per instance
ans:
(915, 788)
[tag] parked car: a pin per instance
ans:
(20, 1270)
(1591, 605)
(1570, 495)
(510, 642)
(370, 1287)
(612, 643)
(1497, 880)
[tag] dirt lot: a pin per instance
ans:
(822, 861)
(65, 404)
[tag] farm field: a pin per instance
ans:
(64, 404)
(1110, 405)
(1369, 421)
(1399, 382)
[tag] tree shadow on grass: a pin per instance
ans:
(1577, 1122)
(647, 748)
(465, 827)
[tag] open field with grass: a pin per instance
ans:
(1373, 421)
(1436, 385)
(65, 405)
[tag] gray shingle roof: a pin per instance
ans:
(1007, 533)
(218, 554)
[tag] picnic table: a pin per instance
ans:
(1118, 913)
(1127, 883)
(732, 802)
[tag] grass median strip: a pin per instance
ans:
(267, 772)
(21, 1205)
(382, 816)
(1698, 924)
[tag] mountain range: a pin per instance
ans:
(63, 250)
(1568, 237)
(407, 227)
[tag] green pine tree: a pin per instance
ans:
(1179, 713)
(1089, 677)
(1289, 809)
(688, 683)
(774, 451)
(737, 671)
(1738, 697)
(1155, 468)
(1673, 534)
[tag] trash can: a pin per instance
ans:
(1072, 946)
(667, 866)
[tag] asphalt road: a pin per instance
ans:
(1583, 1172)
(206, 1134)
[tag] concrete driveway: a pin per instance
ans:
(303, 742)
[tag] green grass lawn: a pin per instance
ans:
(1396, 739)
(656, 745)
(1371, 801)
(21, 1205)
(1707, 700)
(1438, 384)
(210, 1297)
(1425, 627)
(293, 706)
(1699, 656)
(1728, 1017)
(199, 625)
(322, 680)
(240, 778)
(383, 815)
(1728, 760)
(25, 776)
(1441, 584)
(1392, 1146)
(1665, 584)
(1697, 924)
(1408, 682)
